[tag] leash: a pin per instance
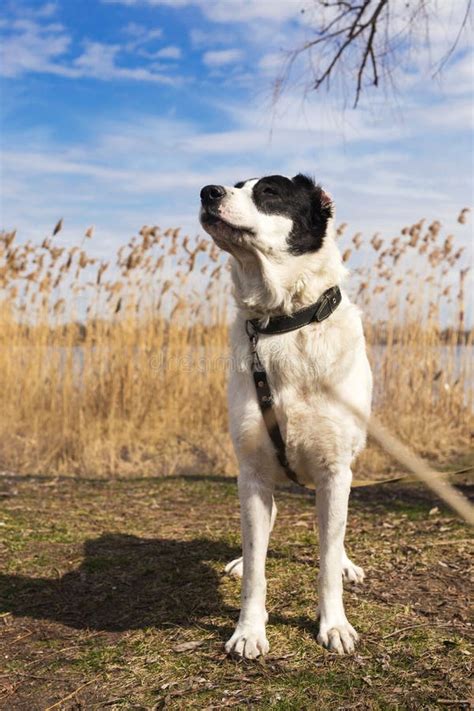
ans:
(317, 312)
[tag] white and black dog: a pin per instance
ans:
(281, 238)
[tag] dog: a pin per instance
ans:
(280, 235)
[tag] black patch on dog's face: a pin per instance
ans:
(300, 199)
(241, 183)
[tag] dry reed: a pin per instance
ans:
(120, 368)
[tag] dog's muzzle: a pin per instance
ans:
(212, 197)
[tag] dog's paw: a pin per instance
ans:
(235, 567)
(339, 638)
(248, 642)
(352, 573)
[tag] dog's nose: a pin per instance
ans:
(212, 193)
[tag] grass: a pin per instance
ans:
(120, 368)
(112, 596)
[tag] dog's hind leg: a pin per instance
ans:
(249, 639)
(351, 573)
(235, 567)
(332, 498)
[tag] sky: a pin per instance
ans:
(114, 113)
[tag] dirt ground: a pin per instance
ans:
(112, 597)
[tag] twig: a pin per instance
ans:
(405, 478)
(369, 52)
(452, 49)
(32, 676)
(417, 624)
(48, 656)
(453, 702)
(23, 636)
(448, 543)
(66, 698)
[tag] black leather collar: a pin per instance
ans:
(324, 306)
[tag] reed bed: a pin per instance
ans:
(119, 367)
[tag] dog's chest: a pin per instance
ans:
(302, 368)
(299, 363)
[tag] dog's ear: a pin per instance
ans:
(327, 203)
(315, 208)
(323, 204)
(304, 181)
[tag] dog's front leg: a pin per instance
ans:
(332, 498)
(249, 639)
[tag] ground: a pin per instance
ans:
(113, 597)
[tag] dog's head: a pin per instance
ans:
(274, 215)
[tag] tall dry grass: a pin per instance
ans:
(120, 368)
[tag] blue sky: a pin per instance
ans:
(116, 112)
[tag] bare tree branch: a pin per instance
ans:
(452, 49)
(369, 51)
(351, 40)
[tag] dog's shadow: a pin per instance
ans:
(126, 582)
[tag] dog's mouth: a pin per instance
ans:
(209, 218)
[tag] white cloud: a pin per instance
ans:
(272, 63)
(202, 38)
(147, 168)
(31, 47)
(245, 10)
(169, 52)
(169, 3)
(142, 36)
(34, 48)
(142, 33)
(234, 10)
(131, 178)
(459, 116)
(458, 76)
(99, 61)
(221, 57)
(47, 10)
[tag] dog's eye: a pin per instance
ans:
(269, 191)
